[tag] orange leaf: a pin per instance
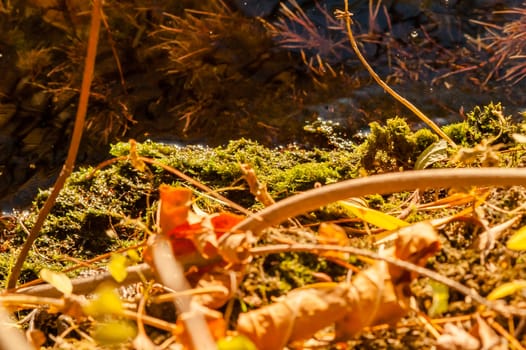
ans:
(329, 233)
(206, 240)
(182, 238)
(214, 321)
(174, 207)
(212, 228)
(182, 246)
(223, 222)
(187, 231)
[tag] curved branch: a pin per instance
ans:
(379, 184)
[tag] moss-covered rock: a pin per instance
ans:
(95, 211)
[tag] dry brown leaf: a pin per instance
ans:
(212, 228)
(480, 336)
(135, 160)
(218, 277)
(373, 299)
(456, 338)
(489, 339)
(235, 249)
(382, 291)
(298, 316)
(205, 239)
(416, 244)
(376, 295)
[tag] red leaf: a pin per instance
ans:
(223, 222)
(181, 238)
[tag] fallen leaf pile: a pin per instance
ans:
(377, 295)
(191, 234)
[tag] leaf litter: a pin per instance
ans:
(325, 301)
(206, 293)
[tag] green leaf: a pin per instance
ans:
(238, 342)
(117, 267)
(440, 303)
(58, 280)
(518, 240)
(506, 289)
(432, 154)
(374, 217)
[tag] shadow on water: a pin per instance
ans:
(242, 80)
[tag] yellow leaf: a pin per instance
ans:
(237, 342)
(114, 332)
(134, 255)
(58, 280)
(117, 267)
(518, 240)
(374, 217)
(440, 303)
(106, 301)
(507, 289)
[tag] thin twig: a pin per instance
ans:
(346, 15)
(135, 274)
(504, 333)
(30, 301)
(171, 274)
(86, 285)
(176, 172)
(73, 148)
(316, 248)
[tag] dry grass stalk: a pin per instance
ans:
(74, 146)
(346, 16)
(510, 47)
(320, 46)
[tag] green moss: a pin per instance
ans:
(487, 122)
(92, 204)
(393, 146)
(284, 171)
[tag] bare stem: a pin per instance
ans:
(171, 274)
(73, 148)
(379, 184)
(347, 16)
